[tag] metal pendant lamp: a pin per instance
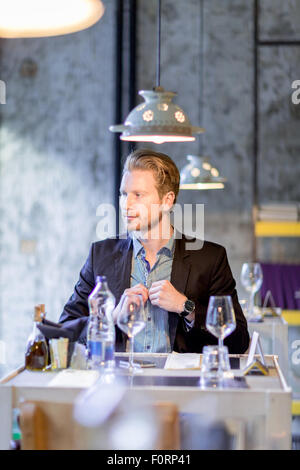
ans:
(40, 18)
(158, 119)
(200, 174)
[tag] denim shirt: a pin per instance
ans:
(155, 336)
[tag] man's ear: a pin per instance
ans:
(168, 201)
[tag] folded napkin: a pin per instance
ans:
(183, 361)
(74, 330)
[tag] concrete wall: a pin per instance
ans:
(279, 119)
(56, 167)
(210, 63)
(56, 161)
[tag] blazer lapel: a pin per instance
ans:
(122, 261)
(179, 277)
(181, 266)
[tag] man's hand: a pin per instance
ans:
(165, 296)
(138, 289)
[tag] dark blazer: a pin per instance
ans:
(196, 273)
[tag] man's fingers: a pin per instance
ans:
(158, 283)
(154, 300)
(154, 289)
(154, 297)
(138, 289)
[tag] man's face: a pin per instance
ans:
(140, 202)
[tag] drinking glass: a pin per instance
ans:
(220, 317)
(215, 364)
(131, 320)
(251, 279)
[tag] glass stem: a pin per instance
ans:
(131, 344)
(251, 304)
(221, 344)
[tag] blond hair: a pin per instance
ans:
(166, 174)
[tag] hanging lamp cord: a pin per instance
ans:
(201, 94)
(158, 43)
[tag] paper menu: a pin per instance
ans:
(182, 361)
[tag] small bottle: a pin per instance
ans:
(36, 356)
(43, 316)
(101, 330)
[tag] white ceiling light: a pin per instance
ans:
(200, 174)
(38, 18)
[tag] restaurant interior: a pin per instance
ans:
(215, 85)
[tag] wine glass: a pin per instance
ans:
(220, 321)
(220, 317)
(131, 320)
(251, 279)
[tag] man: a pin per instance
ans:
(175, 282)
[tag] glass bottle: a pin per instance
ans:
(36, 356)
(101, 330)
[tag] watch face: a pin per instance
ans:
(189, 306)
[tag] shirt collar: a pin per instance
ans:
(167, 249)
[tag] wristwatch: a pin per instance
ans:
(188, 308)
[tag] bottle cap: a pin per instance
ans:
(100, 279)
(37, 313)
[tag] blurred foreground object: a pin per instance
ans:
(103, 417)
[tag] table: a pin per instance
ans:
(259, 415)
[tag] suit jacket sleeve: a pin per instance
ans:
(221, 282)
(77, 305)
